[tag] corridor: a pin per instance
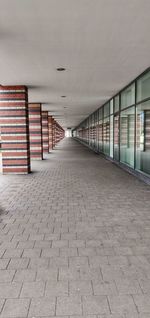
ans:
(75, 237)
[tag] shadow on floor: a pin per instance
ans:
(2, 212)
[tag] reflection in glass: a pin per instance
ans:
(143, 137)
(143, 87)
(127, 121)
(128, 96)
(96, 129)
(111, 106)
(106, 135)
(106, 110)
(116, 104)
(111, 135)
(116, 137)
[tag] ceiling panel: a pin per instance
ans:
(103, 44)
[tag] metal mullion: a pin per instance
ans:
(119, 133)
(135, 110)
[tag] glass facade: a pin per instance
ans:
(120, 129)
(143, 137)
(127, 118)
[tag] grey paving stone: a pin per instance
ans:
(95, 305)
(86, 316)
(13, 253)
(68, 306)
(6, 276)
(88, 251)
(66, 252)
(37, 262)
(25, 275)
(57, 262)
(44, 306)
(15, 308)
(2, 301)
(104, 288)
(43, 244)
(122, 304)
(9, 290)
(36, 237)
(76, 243)
(90, 221)
(80, 288)
(50, 274)
(88, 273)
(97, 261)
(69, 274)
(50, 252)
(31, 253)
(18, 263)
(2, 251)
(56, 288)
(142, 302)
(32, 290)
(25, 244)
(117, 316)
(78, 261)
(128, 286)
(145, 285)
(60, 243)
(4, 263)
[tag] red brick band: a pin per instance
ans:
(58, 133)
(14, 129)
(45, 135)
(50, 132)
(35, 131)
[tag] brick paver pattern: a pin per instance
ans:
(74, 239)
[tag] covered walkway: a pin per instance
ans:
(74, 239)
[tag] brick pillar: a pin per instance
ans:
(45, 131)
(54, 133)
(14, 129)
(35, 131)
(50, 131)
(58, 133)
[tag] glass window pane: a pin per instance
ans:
(116, 104)
(143, 87)
(106, 134)
(116, 137)
(100, 135)
(143, 137)
(96, 128)
(90, 130)
(101, 113)
(106, 110)
(111, 135)
(111, 107)
(128, 96)
(127, 136)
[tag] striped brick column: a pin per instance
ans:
(45, 131)
(50, 131)
(54, 132)
(58, 133)
(35, 131)
(14, 129)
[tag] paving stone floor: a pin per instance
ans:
(74, 239)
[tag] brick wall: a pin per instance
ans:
(45, 137)
(14, 129)
(50, 131)
(35, 131)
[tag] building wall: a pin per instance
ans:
(14, 130)
(120, 129)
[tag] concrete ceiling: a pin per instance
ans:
(103, 44)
